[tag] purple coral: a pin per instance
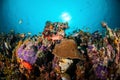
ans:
(101, 72)
(28, 55)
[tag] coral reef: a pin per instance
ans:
(53, 55)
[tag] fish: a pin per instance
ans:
(76, 34)
(87, 28)
(6, 45)
(104, 24)
(11, 30)
(29, 33)
(22, 35)
(74, 31)
(78, 47)
(20, 21)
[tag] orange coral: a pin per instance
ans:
(26, 65)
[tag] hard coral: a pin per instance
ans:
(67, 49)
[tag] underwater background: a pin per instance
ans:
(30, 15)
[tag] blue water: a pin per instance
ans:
(31, 15)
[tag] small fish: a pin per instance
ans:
(22, 35)
(74, 31)
(20, 21)
(7, 52)
(76, 34)
(78, 47)
(87, 28)
(29, 33)
(104, 24)
(11, 30)
(6, 45)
